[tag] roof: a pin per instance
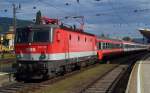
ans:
(10, 32)
(145, 33)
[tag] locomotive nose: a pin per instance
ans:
(32, 52)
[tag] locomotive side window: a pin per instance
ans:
(78, 38)
(69, 37)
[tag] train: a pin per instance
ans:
(50, 49)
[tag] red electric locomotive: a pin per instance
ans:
(50, 49)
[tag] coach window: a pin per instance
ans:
(109, 45)
(69, 37)
(104, 45)
(113, 45)
(116, 45)
(99, 45)
(120, 46)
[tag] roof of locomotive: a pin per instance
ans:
(57, 26)
(75, 30)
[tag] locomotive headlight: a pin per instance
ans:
(42, 56)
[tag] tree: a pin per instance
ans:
(38, 17)
(126, 38)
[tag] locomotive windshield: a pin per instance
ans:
(41, 36)
(22, 36)
(32, 35)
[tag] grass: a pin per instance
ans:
(7, 55)
(4, 65)
(69, 84)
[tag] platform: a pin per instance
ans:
(2, 73)
(139, 81)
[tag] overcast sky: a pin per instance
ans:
(116, 18)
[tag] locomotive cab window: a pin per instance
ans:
(22, 35)
(33, 35)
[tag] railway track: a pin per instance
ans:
(107, 82)
(103, 84)
(6, 65)
(8, 60)
(25, 87)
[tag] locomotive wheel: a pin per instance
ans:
(77, 66)
(45, 77)
(18, 79)
(62, 71)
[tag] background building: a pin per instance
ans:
(9, 36)
(7, 40)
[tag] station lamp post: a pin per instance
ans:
(15, 9)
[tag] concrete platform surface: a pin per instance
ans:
(139, 81)
(2, 73)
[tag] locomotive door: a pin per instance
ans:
(66, 45)
(94, 46)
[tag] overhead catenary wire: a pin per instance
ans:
(113, 11)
